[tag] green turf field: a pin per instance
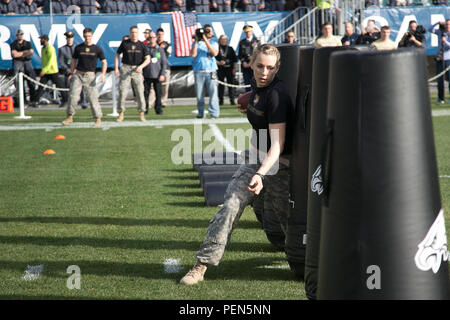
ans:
(113, 203)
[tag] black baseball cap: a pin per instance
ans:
(69, 34)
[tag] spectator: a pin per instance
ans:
(384, 43)
(200, 5)
(222, 5)
(251, 5)
(135, 58)
(204, 65)
(136, 6)
(154, 72)
(246, 47)
(168, 51)
(82, 69)
(88, 6)
(49, 70)
(153, 6)
(165, 6)
(415, 37)
(443, 55)
(178, 5)
(290, 37)
(73, 6)
(9, 7)
(440, 2)
(58, 7)
(372, 3)
(328, 39)
(28, 7)
(65, 55)
(21, 52)
(115, 6)
(370, 34)
(350, 36)
(276, 5)
(399, 3)
(226, 62)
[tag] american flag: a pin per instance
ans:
(184, 25)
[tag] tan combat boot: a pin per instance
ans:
(68, 120)
(98, 122)
(120, 118)
(195, 275)
(142, 117)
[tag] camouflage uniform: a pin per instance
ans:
(84, 80)
(128, 73)
(237, 197)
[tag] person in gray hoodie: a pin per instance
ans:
(154, 72)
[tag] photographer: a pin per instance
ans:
(204, 65)
(226, 60)
(246, 47)
(443, 54)
(415, 37)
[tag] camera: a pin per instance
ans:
(418, 34)
(199, 33)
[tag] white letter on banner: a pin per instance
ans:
(142, 27)
(97, 33)
(218, 29)
(4, 47)
(31, 34)
(404, 27)
(57, 31)
(236, 36)
(270, 29)
(434, 19)
(167, 33)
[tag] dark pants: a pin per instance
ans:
(157, 87)
(227, 73)
(440, 66)
(27, 68)
(57, 80)
(248, 75)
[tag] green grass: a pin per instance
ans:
(113, 203)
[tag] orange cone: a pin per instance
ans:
(60, 137)
(49, 151)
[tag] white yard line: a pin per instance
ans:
(110, 124)
(440, 113)
(150, 123)
(219, 136)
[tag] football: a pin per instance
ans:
(244, 99)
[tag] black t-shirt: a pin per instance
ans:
(133, 52)
(19, 47)
(87, 57)
(271, 104)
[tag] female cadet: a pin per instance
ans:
(269, 112)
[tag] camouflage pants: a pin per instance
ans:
(128, 74)
(237, 197)
(84, 80)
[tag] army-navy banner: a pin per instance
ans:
(398, 20)
(108, 30)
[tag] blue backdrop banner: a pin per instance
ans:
(109, 29)
(398, 20)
